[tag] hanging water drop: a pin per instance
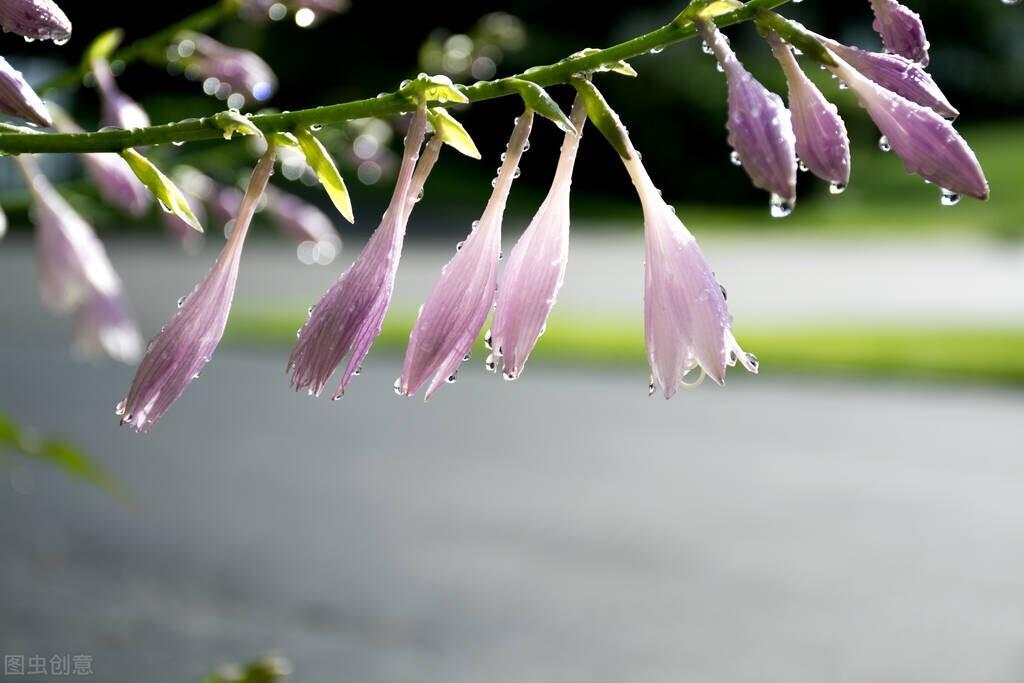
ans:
(779, 207)
(950, 198)
(883, 144)
(488, 340)
(650, 387)
(490, 364)
(398, 386)
(837, 188)
(735, 158)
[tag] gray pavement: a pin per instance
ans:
(563, 528)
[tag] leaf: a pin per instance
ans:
(603, 116)
(285, 140)
(323, 165)
(167, 193)
(432, 89)
(621, 67)
(537, 99)
(452, 132)
(103, 46)
(231, 122)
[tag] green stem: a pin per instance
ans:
(384, 105)
(151, 48)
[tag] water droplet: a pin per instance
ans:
(950, 198)
(452, 377)
(734, 157)
(837, 188)
(753, 362)
(490, 364)
(657, 49)
(467, 357)
(803, 167)
(883, 144)
(706, 49)
(725, 294)
(316, 127)
(509, 376)
(178, 143)
(309, 311)
(650, 387)
(358, 371)
(121, 407)
(779, 207)
(488, 340)
(181, 301)
(398, 386)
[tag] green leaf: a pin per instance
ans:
(537, 99)
(232, 121)
(285, 140)
(103, 46)
(432, 89)
(603, 116)
(621, 67)
(452, 132)
(323, 165)
(167, 193)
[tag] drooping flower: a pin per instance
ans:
(178, 354)
(17, 97)
(118, 109)
(104, 328)
(73, 265)
(928, 144)
(225, 70)
(461, 299)
(302, 222)
(822, 142)
(897, 74)
(35, 20)
(687, 321)
(901, 29)
(760, 127)
(349, 316)
(536, 266)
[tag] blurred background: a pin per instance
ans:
(852, 514)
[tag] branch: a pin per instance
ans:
(383, 105)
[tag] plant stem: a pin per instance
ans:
(152, 47)
(383, 105)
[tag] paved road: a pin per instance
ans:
(564, 528)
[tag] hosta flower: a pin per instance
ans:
(901, 30)
(760, 127)
(461, 299)
(927, 143)
(821, 139)
(118, 109)
(179, 353)
(349, 316)
(225, 70)
(35, 20)
(300, 221)
(17, 97)
(536, 266)
(895, 73)
(73, 264)
(103, 328)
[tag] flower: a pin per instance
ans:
(118, 109)
(897, 74)
(821, 139)
(349, 316)
(457, 306)
(901, 30)
(73, 265)
(536, 267)
(302, 222)
(760, 127)
(178, 354)
(225, 70)
(927, 143)
(35, 20)
(103, 328)
(17, 97)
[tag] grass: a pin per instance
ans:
(991, 355)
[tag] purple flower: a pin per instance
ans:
(895, 73)
(457, 306)
(35, 20)
(103, 328)
(927, 143)
(73, 265)
(536, 266)
(178, 354)
(118, 109)
(349, 316)
(300, 221)
(760, 127)
(821, 139)
(901, 30)
(17, 97)
(225, 70)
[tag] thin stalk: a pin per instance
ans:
(386, 104)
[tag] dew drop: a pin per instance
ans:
(950, 198)
(837, 188)
(181, 301)
(398, 386)
(490, 364)
(121, 407)
(650, 387)
(451, 378)
(779, 207)
(488, 340)
(883, 144)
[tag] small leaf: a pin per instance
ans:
(432, 89)
(167, 193)
(537, 99)
(231, 122)
(452, 132)
(103, 46)
(323, 165)
(285, 140)
(621, 67)
(603, 116)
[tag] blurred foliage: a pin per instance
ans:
(57, 452)
(267, 670)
